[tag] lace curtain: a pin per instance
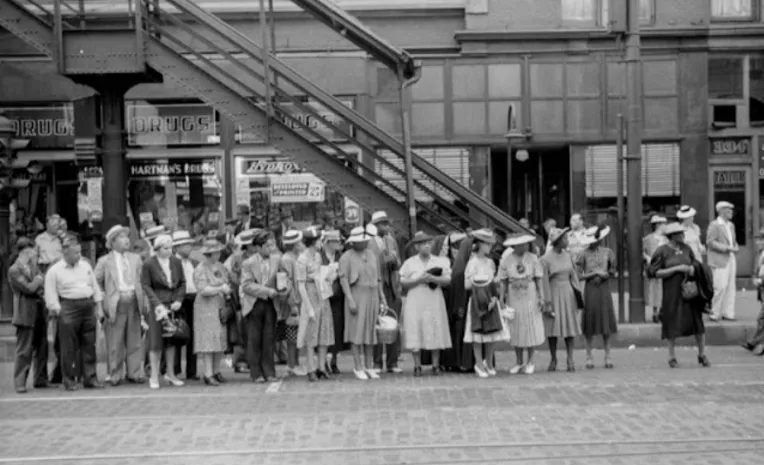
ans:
(731, 8)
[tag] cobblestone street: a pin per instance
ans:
(638, 413)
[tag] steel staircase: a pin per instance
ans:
(227, 70)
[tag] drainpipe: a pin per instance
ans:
(405, 105)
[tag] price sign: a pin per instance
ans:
(352, 211)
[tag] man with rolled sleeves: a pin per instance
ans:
(73, 294)
(119, 275)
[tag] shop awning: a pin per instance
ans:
(356, 32)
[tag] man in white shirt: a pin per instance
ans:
(119, 275)
(722, 247)
(72, 293)
(183, 244)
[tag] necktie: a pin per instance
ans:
(266, 268)
(125, 270)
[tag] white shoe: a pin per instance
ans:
(372, 374)
(489, 370)
(174, 381)
(297, 371)
(529, 369)
(228, 362)
(360, 374)
(153, 384)
(480, 372)
(396, 370)
(375, 370)
(516, 369)
(107, 378)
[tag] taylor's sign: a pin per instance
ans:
(167, 125)
(172, 169)
(46, 127)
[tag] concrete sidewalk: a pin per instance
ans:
(638, 334)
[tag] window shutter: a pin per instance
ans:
(660, 171)
(453, 161)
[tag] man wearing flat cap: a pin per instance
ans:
(119, 275)
(722, 249)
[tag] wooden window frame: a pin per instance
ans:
(755, 15)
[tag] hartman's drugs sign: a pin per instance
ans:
(296, 188)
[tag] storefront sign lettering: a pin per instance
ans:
(149, 170)
(50, 127)
(172, 124)
(269, 166)
(729, 180)
(88, 172)
(731, 146)
(298, 119)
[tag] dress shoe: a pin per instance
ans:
(759, 349)
(174, 381)
(747, 346)
(259, 380)
(211, 381)
(219, 378)
(729, 318)
(21, 390)
(239, 369)
(193, 378)
(395, 370)
(335, 370)
(42, 386)
(703, 361)
(136, 380)
(321, 374)
(70, 385)
(94, 385)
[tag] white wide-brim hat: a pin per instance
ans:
(292, 237)
(674, 228)
(518, 239)
(686, 212)
(358, 235)
(379, 217)
(181, 238)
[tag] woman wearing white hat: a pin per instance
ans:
(360, 280)
(521, 275)
(692, 234)
(563, 284)
(596, 265)
(650, 244)
(681, 315)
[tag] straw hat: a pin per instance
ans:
(211, 246)
(358, 235)
(245, 237)
(371, 230)
(657, 219)
(420, 237)
(518, 239)
(555, 234)
(379, 217)
(485, 236)
(153, 232)
(162, 240)
(686, 212)
(291, 237)
(673, 228)
(311, 233)
(181, 238)
(114, 232)
(331, 235)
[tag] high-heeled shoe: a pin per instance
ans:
(608, 364)
(516, 369)
(552, 365)
(417, 372)
(673, 363)
(529, 369)
(211, 381)
(703, 360)
(321, 374)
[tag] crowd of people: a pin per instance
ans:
(257, 298)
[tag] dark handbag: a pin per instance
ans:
(689, 290)
(438, 271)
(227, 311)
(579, 297)
(175, 328)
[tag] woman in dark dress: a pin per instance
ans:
(459, 357)
(330, 256)
(675, 263)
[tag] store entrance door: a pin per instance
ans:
(539, 185)
(733, 184)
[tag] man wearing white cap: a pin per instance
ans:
(722, 247)
(119, 275)
(386, 249)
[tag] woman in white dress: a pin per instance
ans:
(521, 276)
(481, 269)
(692, 236)
(425, 320)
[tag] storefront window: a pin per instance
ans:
(177, 193)
(278, 191)
(660, 178)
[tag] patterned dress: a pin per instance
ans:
(318, 331)
(424, 314)
(209, 334)
(481, 266)
(599, 314)
(361, 270)
(521, 273)
(561, 272)
(653, 287)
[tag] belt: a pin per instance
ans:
(127, 294)
(83, 299)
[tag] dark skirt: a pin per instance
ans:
(679, 317)
(338, 318)
(599, 317)
(460, 355)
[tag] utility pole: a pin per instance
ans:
(634, 163)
